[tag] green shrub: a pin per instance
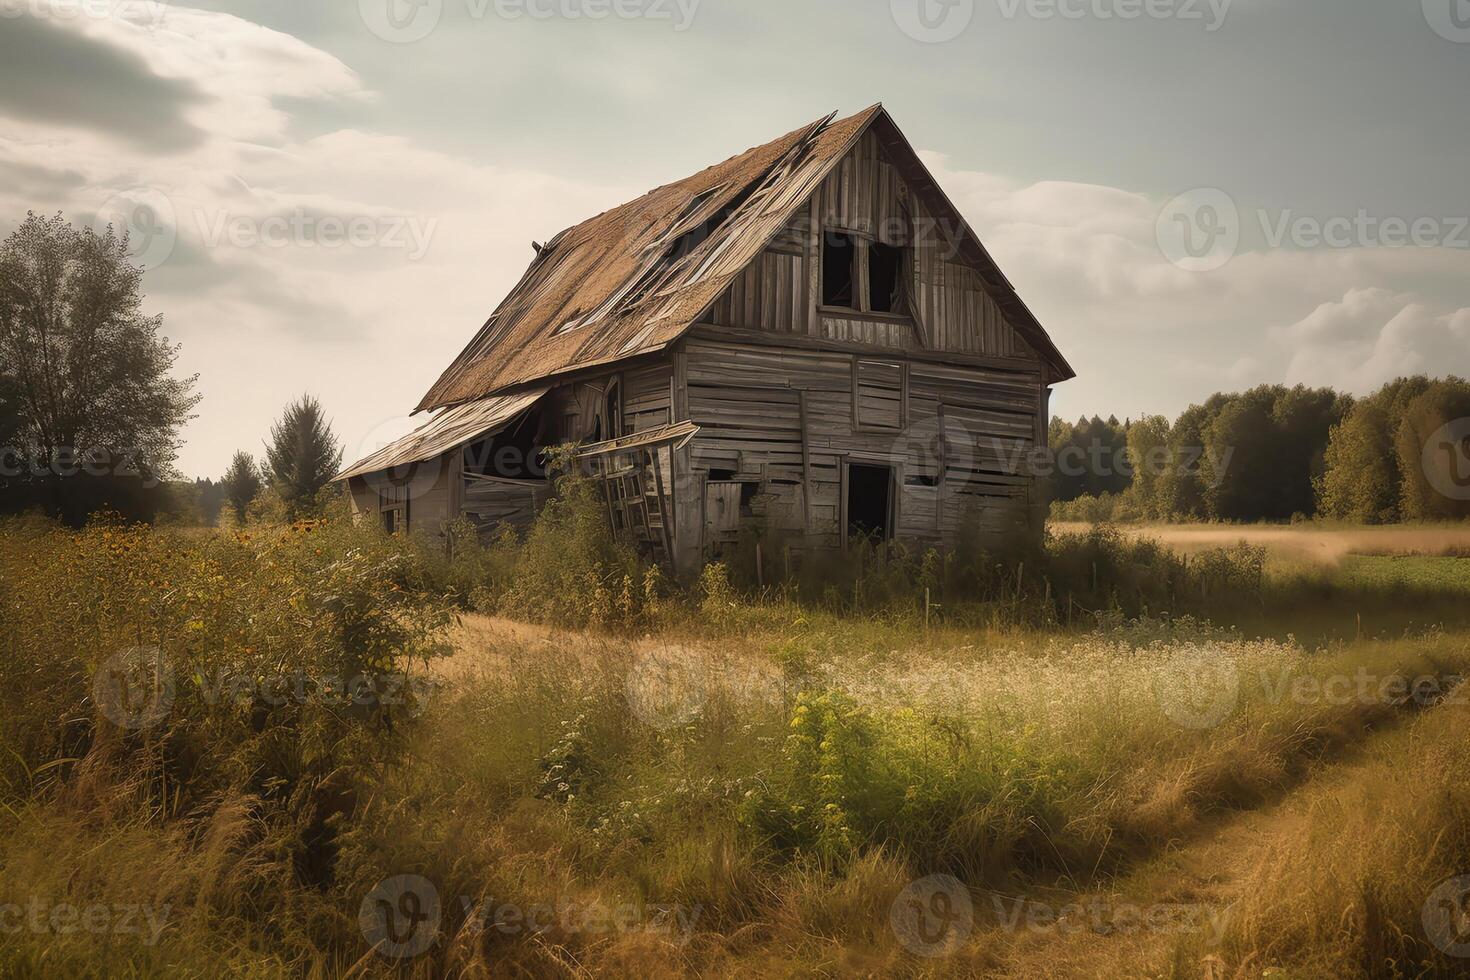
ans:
(570, 569)
(279, 664)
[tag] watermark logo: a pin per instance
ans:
(1446, 460)
(929, 450)
(152, 224)
(137, 688)
(401, 21)
(149, 220)
(134, 688)
(932, 21)
(1446, 917)
(400, 917)
(666, 689)
(1199, 231)
(1198, 689)
(933, 916)
(1450, 19)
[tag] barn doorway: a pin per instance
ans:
(869, 501)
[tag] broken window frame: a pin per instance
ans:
(861, 276)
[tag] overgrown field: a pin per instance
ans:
(320, 751)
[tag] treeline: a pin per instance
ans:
(1275, 453)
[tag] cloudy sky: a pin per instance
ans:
(1192, 195)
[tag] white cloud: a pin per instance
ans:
(240, 66)
(1371, 336)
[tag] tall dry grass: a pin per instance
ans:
(775, 771)
(1349, 880)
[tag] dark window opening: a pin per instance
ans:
(515, 453)
(885, 278)
(390, 521)
(613, 410)
(748, 491)
(868, 502)
(721, 476)
(838, 252)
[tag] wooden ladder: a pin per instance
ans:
(632, 508)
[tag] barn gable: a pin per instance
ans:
(909, 285)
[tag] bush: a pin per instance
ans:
(281, 665)
(571, 570)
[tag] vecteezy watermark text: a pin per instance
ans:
(401, 917)
(149, 13)
(1201, 230)
(1203, 688)
(68, 461)
(41, 916)
(407, 21)
(138, 688)
(152, 222)
(1102, 460)
(938, 21)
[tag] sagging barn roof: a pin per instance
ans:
(450, 428)
(634, 279)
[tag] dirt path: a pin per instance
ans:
(1183, 897)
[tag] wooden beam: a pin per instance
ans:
(760, 338)
(806, 466)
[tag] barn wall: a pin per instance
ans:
(427, 489)
(647, 397)
(786, 419)
(781, 290)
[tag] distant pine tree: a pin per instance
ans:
(241, 483)
(302, 457)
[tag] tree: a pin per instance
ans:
(302, 457)
(1148, 447)
(1302, 420)
(241, 483)
(1089, 458)
(1360, 482)
(1433, 443)
(211, 496)
(1240, 432)
(1182, 488)
(84, 374)
(1361, 479)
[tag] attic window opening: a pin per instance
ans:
(839, 252)
(885, 278)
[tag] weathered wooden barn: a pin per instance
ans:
(807, 335)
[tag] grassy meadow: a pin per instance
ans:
(319, 751)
